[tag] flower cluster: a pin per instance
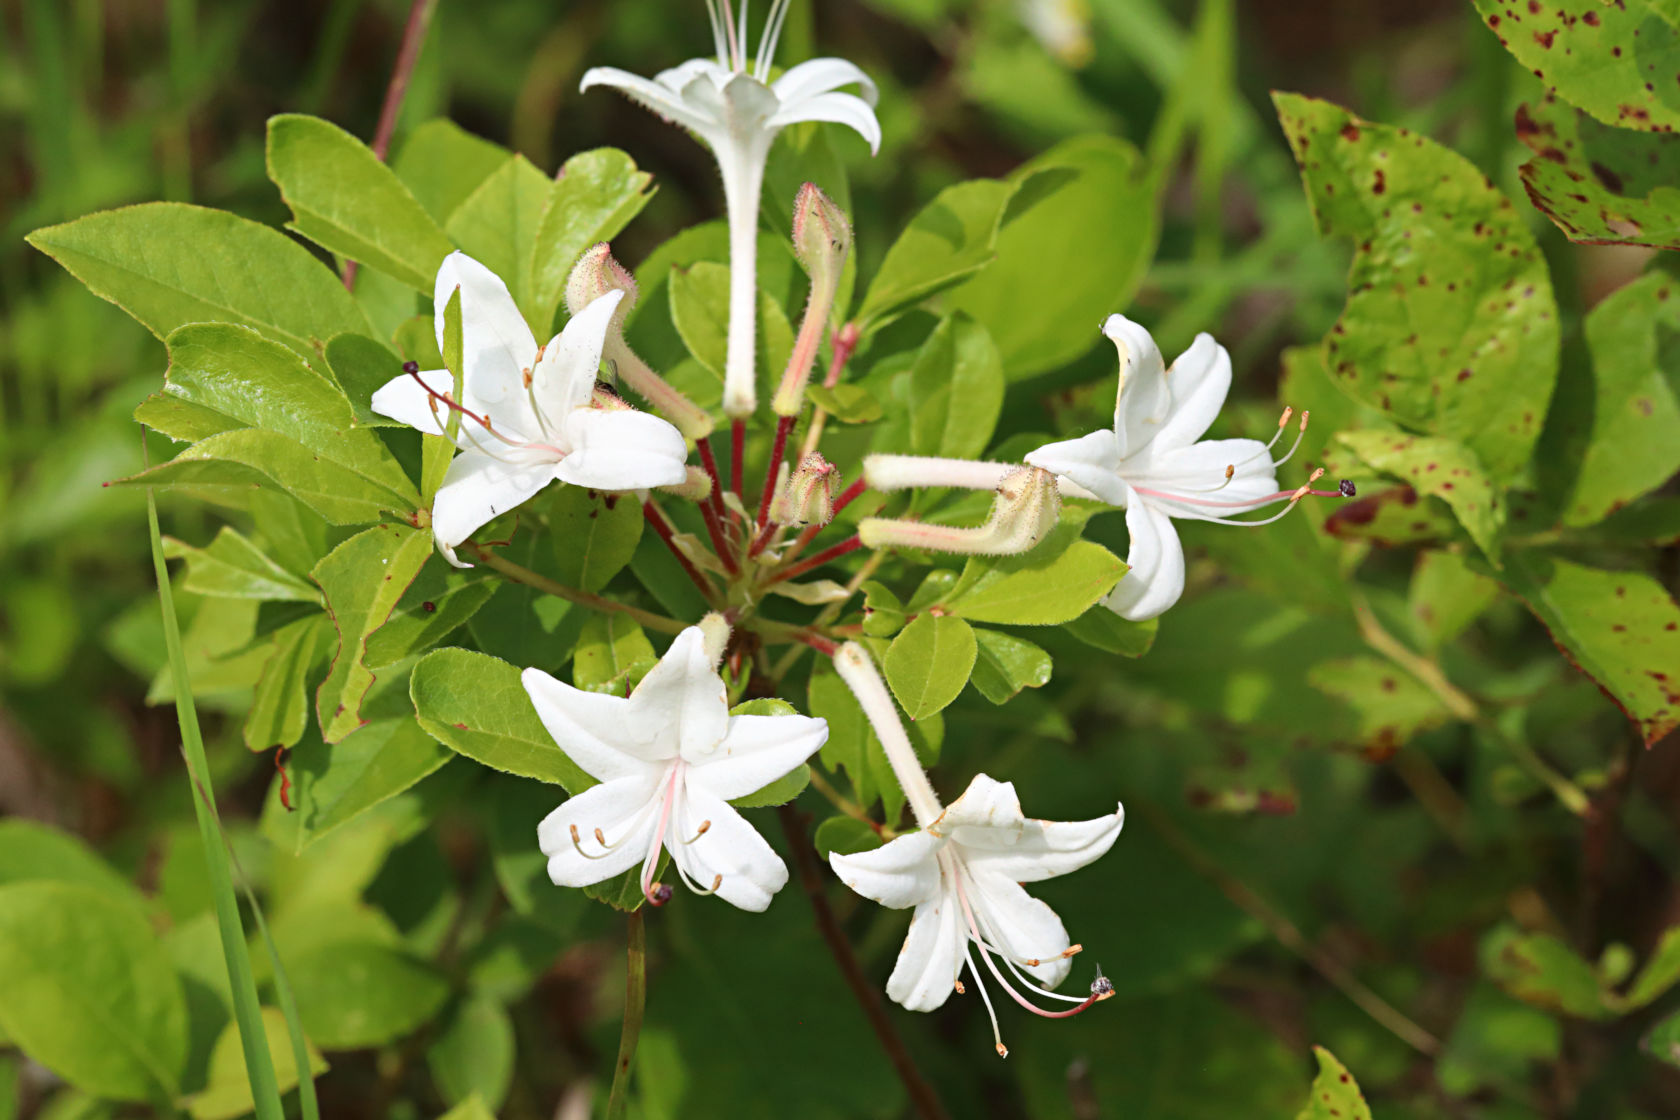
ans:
(671, 755)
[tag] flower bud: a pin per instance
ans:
(821, 235)
(594, 275)
(1024, 511)
(808, 496)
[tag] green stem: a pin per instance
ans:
(635, 1002)
(542, 583)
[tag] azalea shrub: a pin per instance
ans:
(1055, 639)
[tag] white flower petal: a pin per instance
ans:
(1197, 474)
(405, 400)
(1019, 925)
(478, 487)
(564, 376)
(755, 752)
(1155, 559)
(496, 344)
(619, 449)
(902, 872)
(1199, 381)
(822, 75)
(840, 108)
(597, 731)
(751, 871)
(926, 971)
(653, 95)
(988, 812)
(678, 77)
(1142, 402)
(1091, 461)
(684, 696)
(614, 808)
(1045, 849)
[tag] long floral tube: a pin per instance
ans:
(856, 668)
(906, 472)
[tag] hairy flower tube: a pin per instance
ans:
(526, 414)
(669, 758)
(732, 106)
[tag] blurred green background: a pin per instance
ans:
(1267, 847)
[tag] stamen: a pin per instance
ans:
(444, 399)
(991, 1012)
(961, 991)
(717, 32)
(729, 30)
(704, 825)
(577, 842)
(771, 36)
(979, 941)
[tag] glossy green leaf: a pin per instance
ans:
(169, 264)
(497, 226)
(228, 1093)
(31, 851)
(87, 990)
(1442, 468)
(1450, 327)
(1037, 588)
(346, 200)
(594, 196)
(847, 403)
(1102, 628)
(1007, 664)
(1600, 185)
(595, 535)
(475, 705)
(442, 164)
(955, 391)
(362, 579)
(1620, 628)
(362, 365)
(279, 712)
(699, 299)
(612, 656)
(1660, 972)
(1631, 447)
(789, 785)
(1389, 706)
(230, 566)
(354, 994)
(929, 662)
(846, 835)
(1074, 246)
(470, 1109)
(883, 611)
(1447, 595)
(473, 1054)
(950, 239)
(1335, 1094)
(1620, 61)
(435, 605)
(1542, 970)
(332, 784)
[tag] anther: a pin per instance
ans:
(704, 825)
(1230, 471)
(961, 991)
(1288, 411)
(600, 839)
(1003, 1051)
(1071, 950)
(1304, 416)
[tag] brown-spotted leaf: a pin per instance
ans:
(1441, 468)
(1601, 185)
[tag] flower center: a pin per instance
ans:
(729, 36)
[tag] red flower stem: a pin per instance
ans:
(844, 342)
(816, 641)
(763, 539)
(663, 528)
(738, 453)
(850, 544)
(784, 425)
(846, 495)
(709, 461)
(414, 37)
(720, 540)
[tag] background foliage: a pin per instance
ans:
(1370, 804)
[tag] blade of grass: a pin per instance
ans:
(265, 1090)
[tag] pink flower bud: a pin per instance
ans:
(808, 496)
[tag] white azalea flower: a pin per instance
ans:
(525, 418)
(963, 873)
(737, 112)
(1156, 466)
(669, 758)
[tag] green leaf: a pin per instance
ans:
(1335, 1094)
(1007, 664)
(475, 705)
(497, 226)
(228, 1093)
(279, 712)
(232, 567)
(699, 299)
(30, 852)
(1663, 1040)
(87, 990)
(1442, 468)
(1390, 706)
(594, 196)
(472, 1057)
(847, 402)
(1617, 61)
(470, 1109)
(883, 611)
(1048, 289)
(1620, 628)
(612, 656)
(1630, 448)
(956, 391)
(361, 365)
(169, 264)
(1447, 596)
(355, 994)
(1102, 628)
(929, 662)
(442, 164)
(950, 239)
(594, 534)
(346, 200)
(333, 784)
(1037, 588)
(435, 605)
(362, 578)
(1540, 969)
(1600, 185)
(1450, 326)
(1661, 971)
(846, 835)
